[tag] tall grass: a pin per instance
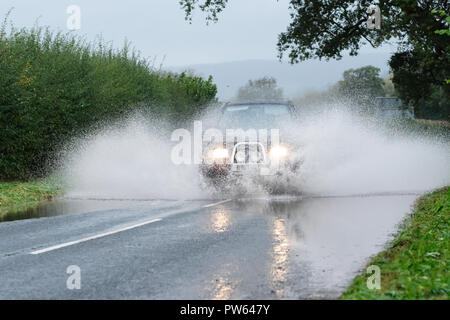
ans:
(54, 86)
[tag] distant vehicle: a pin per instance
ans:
(257, 146)
(393, 108)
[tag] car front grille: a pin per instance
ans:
(249, 153)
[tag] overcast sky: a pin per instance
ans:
(247, 29)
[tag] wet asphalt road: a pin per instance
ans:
(242, 249)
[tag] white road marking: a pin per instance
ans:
(101, 235)
(217, 203)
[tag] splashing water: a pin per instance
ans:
(347, 155)
(131, 162)
(341, 155)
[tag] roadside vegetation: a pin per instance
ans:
(55, 87)
(17, 196)
(416, 264)
(431, 128)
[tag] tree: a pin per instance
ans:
(446, 31)
(327, 29)
(261, 89)
(361, 85)
(421, 70)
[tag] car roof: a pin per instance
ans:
(253, 102)
(256, 103)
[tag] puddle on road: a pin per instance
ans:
(66, 206)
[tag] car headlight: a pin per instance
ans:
(278, 152)
(219, 153)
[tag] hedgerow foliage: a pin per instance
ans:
(55, 86)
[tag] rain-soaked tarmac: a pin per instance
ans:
(253, 248)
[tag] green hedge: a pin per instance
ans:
(55, 86)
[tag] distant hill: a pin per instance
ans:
(294, 79)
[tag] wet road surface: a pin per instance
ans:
(260, 248)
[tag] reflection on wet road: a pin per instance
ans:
(220, 219)
(280, 256)
(318, 245)
(265, 248)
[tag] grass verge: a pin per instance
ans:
(416, 264)
(17, 196)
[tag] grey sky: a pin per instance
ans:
(248, 29)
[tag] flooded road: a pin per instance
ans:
(256, 248)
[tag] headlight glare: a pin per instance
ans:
(219, 153)
(279, 152)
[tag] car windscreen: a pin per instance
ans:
(255, 115)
